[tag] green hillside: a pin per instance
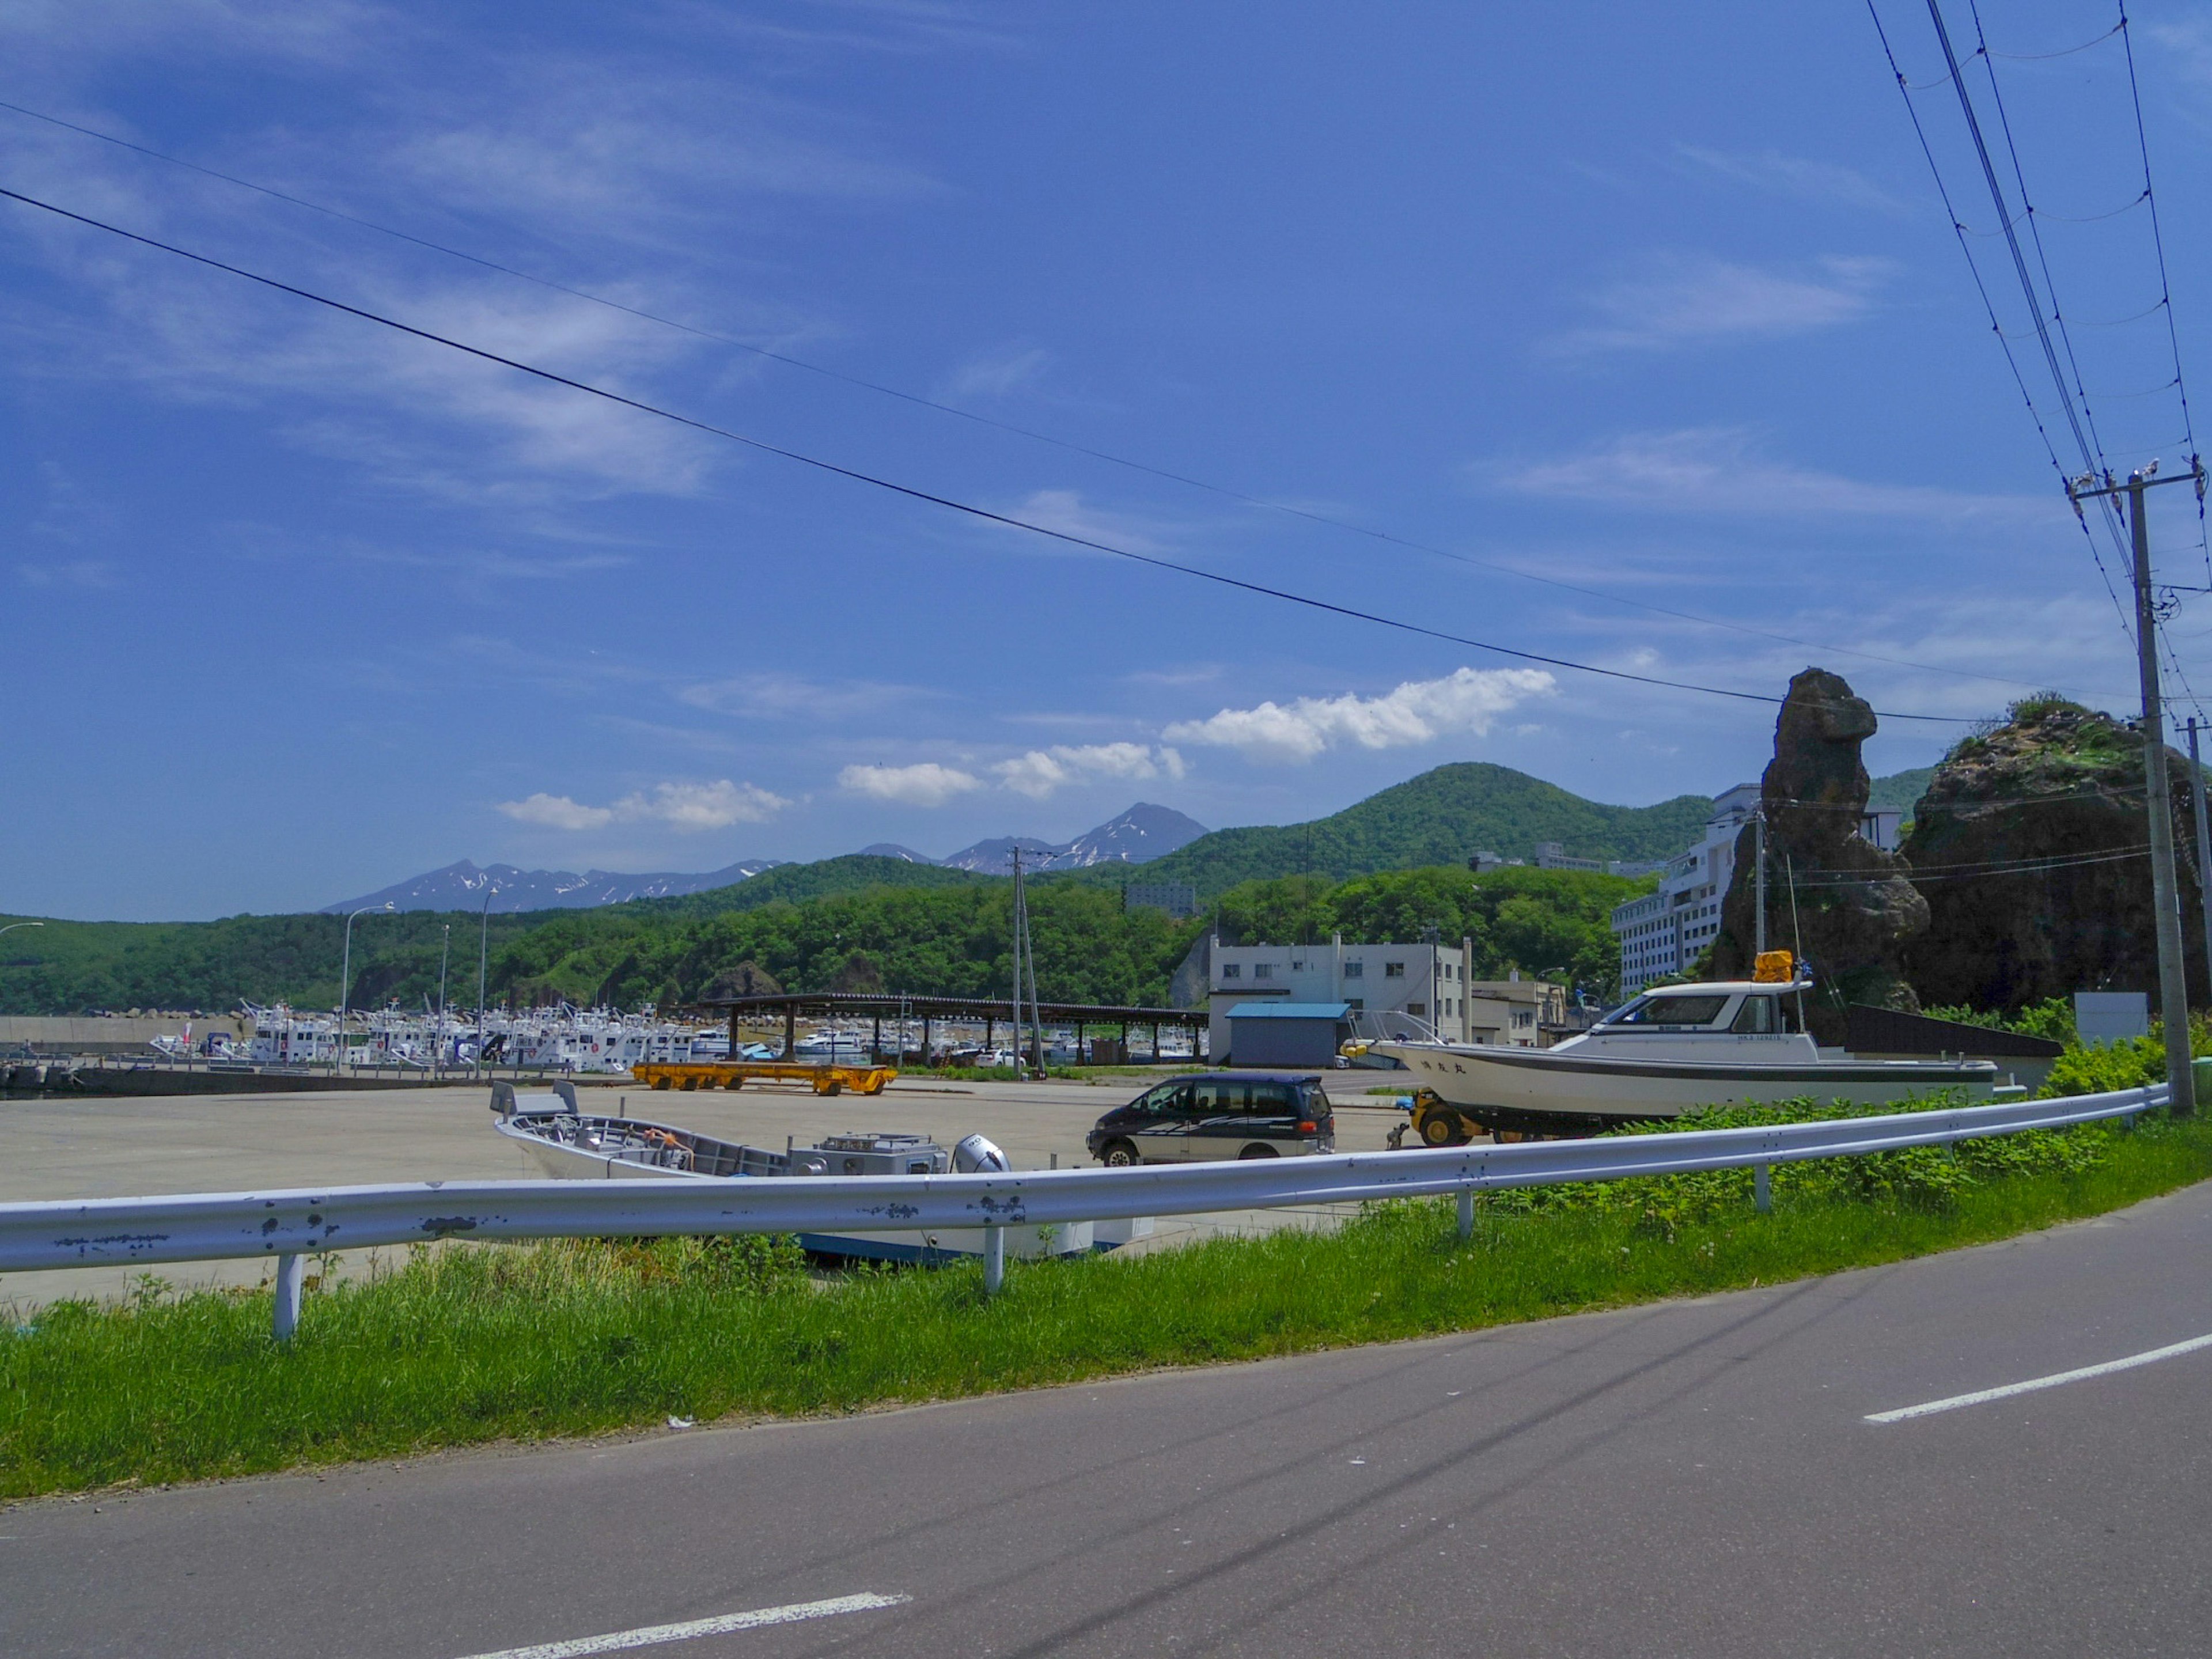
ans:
(1440, 817)
(796, 883)
(1901, 790)
(74, 967)
(916, 925)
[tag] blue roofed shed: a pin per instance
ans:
(1287, 1034)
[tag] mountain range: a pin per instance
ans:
(1142, 833)
(463, 886)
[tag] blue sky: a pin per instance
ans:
(1657, 303)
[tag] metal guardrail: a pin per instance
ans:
(291, 1224)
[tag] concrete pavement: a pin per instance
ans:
(1692, 1477)
(67, 1148)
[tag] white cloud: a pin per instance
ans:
(1418, 711)
(776, 696)
(1687, 299)
(996, 373)
(1041, 771)
(924, 784)
(71, 573)
(1717, 470)
(1065, 511)
(686, 806)
(1794, 175)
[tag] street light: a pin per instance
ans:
(483, 960)
(345, 980)
(13, 926)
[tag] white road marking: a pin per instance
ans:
(654, 1635)
(2172, 1351)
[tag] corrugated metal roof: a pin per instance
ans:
(1290, 1010)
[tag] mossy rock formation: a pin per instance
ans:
(2057, 788)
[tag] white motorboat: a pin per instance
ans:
(570, 1144)
(1672, 1049)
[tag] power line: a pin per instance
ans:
(1905, 90)
(1011, 428)
(915, 493)
(2165, 287)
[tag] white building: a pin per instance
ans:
(1662, 932)
(1428, 982)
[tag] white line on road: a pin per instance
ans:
(2086, 1372)
(654, 1635)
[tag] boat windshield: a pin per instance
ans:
(1672, 1013)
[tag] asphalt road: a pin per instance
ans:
(1693, 1478)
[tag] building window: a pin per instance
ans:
(1394, 970)
(1297, 967)
(1354, 969)
(1417, 1010)
(1263, 971)
(1233, 971)
(1354, 1004)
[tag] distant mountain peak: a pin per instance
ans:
(1142, 833)
(463, 886)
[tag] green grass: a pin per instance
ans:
(467, 1343)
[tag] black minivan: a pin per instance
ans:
(1218, 1114)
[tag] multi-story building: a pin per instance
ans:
(1428, 981)
(1662, 932)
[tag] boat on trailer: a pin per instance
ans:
(1671, 1050)
(570, 1144)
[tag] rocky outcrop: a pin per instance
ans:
(2053, 799)
(1846, 905)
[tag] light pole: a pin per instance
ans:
(345, 982)
(13, 926)
(484, 960)
(444, 952)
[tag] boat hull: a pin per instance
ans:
(1550, 1091)
(564, 1161)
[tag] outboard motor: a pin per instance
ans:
(977, 1155)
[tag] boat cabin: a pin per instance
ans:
(1739, 1007)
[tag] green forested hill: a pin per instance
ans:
(1440, 817)
(795, 883)
(73, 967)
(918, 927)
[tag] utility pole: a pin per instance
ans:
(2165, 888)
(483, 960)
(2203, 843)
(1015, 923)
(445, 954)
(1759, 882)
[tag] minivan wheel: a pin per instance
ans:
(1255, 1151)
(1118, 1155)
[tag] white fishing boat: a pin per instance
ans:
(570, 1144)
(1672, 1049)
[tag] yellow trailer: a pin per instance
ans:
(716, 1075)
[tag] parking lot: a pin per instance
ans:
(63, 1149)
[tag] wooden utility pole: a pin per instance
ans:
(2166, 887)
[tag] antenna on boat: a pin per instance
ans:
(1758, 842)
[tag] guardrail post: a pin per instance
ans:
(291, 1274)
(1762, 1196)
(994, 1260)
(1466, 1213)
